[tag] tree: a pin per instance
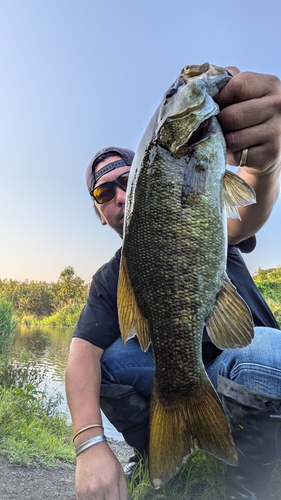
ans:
(70, 288)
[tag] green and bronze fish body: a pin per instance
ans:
(172, 274)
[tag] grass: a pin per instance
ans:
(29, 434)
(7, 327)
(202, 477)
(65, 317)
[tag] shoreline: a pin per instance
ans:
(38, 483)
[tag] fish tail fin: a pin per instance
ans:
(230, 324)
(195, 422)
(131, 320)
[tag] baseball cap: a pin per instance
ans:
(126, 154)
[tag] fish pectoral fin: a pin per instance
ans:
(231, 323)
(194, 421)
(131, 320)
(194, 179)
(237, 193)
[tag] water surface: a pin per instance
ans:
(50, 348)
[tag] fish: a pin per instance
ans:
(172, 278)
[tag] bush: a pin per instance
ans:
(7, 327)
(66, 317)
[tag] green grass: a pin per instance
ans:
(66, 317)
(31, 429)
(202, 477)
(7, 327)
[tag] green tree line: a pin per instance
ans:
(62, 300)
(39, 299)
(268, 282)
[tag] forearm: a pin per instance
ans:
(253, 217)
(83, 379)
(99, 474)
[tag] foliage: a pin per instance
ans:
(69, 287)
(67, 316)
(37, 299)
(268, 282)
(21, 371)
(31, 427)
(29, 433)
(7, 326)
(202, 478)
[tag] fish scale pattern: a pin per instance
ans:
(176, 261)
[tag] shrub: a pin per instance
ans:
(7, 327)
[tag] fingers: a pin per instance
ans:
(123, 490)
(250, 117)
(247, 85)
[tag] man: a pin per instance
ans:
(249, 378)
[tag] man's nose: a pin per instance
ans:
(120, 195)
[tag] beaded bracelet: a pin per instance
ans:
(90, 442)
(85, 429)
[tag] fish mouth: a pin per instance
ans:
(202, 132)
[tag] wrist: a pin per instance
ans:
(87, 434)
(89, 444)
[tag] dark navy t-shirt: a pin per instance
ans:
(98, 321)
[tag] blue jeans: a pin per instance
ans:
(257, 367)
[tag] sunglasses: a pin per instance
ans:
(106, 192)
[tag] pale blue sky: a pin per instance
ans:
(80, 75)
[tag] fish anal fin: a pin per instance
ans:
(237, 193)
(231, 323)
(131, 320)
(195, 421)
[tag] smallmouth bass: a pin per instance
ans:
(173, 278)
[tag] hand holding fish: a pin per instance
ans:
(250, 117)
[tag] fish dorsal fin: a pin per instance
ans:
(230, 323)
(237, 193)
(131, 320)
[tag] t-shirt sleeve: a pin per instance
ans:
(98, 321)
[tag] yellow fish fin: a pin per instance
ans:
(231, 323)
(131, 320)
(237, 193)
(194, 421)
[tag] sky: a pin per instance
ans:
(77, 76)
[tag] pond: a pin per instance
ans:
(50, 347)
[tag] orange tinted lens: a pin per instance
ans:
(104, 192)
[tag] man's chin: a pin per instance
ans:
(119, 230)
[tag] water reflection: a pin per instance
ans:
(50, 348)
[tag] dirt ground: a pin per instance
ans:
(38, 483)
